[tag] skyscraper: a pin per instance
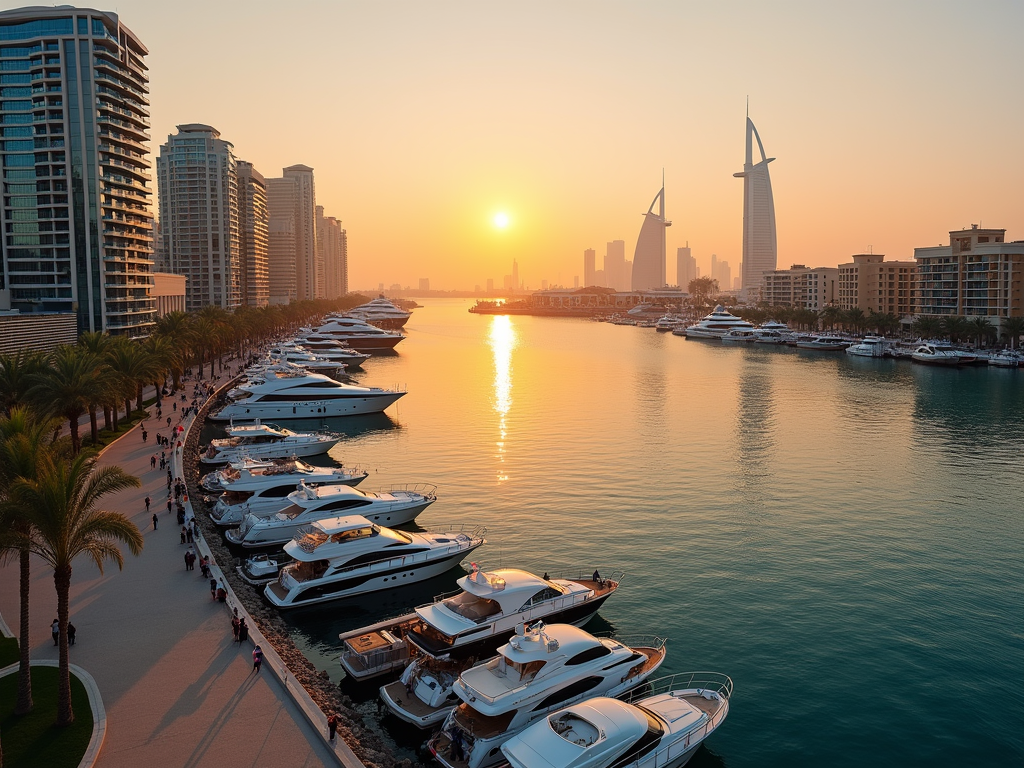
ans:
(515, 275)
(589, 267)
(649, 257)
(686, 267)
(253, 236)
(282, 254)
(616, 268)
(760, 247)
(76, 169)
(198, 186)
(309, 269)
(333, 253)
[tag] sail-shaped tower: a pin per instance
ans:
(760, 247)
(649, 257)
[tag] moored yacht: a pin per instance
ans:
(345, 556)
(266, 441)
(329, 349)
(538, 671)
(870, 346)
(824, 343)
(1006, 358)
(309, 505)
(308, 360)
(936, 353)
(382, 313)
(660, 726)
(359, 334)
(739, 336)
(300, 395)
(770, 336)
(666, 323)
(714, 325)
(474, 621)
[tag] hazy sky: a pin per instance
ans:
(892, 122)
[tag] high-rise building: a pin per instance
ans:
(649, 257)
(253, 236)
(686, 267)
(332, 245)
(875, 285)
(76, 168)
(490, 284)
(616, 274)
(589, 267)
(293, 196)
(198, 185)
(424, 283)
(282, 252)
(515, 275)
(760, 245)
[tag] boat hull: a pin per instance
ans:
(314, 409)
(280, 535)
(297, 450)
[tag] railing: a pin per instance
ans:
(427, 490)
(715, 682)
(579, 573)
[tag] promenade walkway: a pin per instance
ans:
(177, 691)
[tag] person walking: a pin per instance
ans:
(168, 505)
(55, 631)
(71, 633)
(257, 659)
(234, 626)
(148, 502)
(152, 461)
(183, 539)
(332, 727)
(243, 630)
(189, 535)
(154, 521)
(213, 588)
(190, 558)
(145, 435)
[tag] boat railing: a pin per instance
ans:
(427, 490)
(634, 641)
(579, 573)
(715, 682)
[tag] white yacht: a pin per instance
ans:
(662, 726)
(773, 325)
(345, 556)
(382, 313)
(474, 621)
(308, 360)
(870, 346)
(770, 336)
(1006, 358)
(540, 670)
(824, 343)
(214, 482)
(266, 441)
(936, 353)
(298, 395)
(714, 325)
(359, 334)
(264, 493)
(740, 336)
(666, 323)
(330, 349)
(308, 505)
(261, 568)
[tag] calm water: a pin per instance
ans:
(843, 537)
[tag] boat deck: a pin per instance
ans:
(710, 707)
(654, 657)
(410, 702)
(601, 587)
(483, 726)
(277, 589)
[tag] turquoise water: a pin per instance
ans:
(843, 537)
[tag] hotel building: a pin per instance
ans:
(649, 256)
(74, 118)
(799, 286)
(253, 236)
(874, 285)
(760, 244)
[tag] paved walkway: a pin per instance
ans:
(177, 691)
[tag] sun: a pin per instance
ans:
(501, 220)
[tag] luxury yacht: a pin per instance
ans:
(308, 505)
(474, 621)
(661, 726)
(667, 323)
(359, 334)
(261, 568)
(311, 362)
(381, 313)
(540, 670)
(345, 556)
(824, 343)
(329, 348)
(739, 336)
(266, 492)
(714, 325)
(266, 441)
(770, 336)
(1006, 358)
(936, 353)
(300, 395)
(870, 346)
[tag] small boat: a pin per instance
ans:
(739, 336)
(662, 725)
(769, 336)
(214, 481)
(261, 568)
(308, 505)
(266, 441)
(870, 346)
(936, 353)
(824, 344)
(345, 556)
(1006, 358)
(539, 670)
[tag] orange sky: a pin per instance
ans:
(892, 122)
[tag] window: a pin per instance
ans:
(36, 28)
(570, 691)
(588, 655)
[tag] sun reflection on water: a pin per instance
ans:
(503, 340)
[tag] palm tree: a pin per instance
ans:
(64, 496)
(926, 326)
(854, 318)
(701, 289)
(15, 371)
(136, 368)
(24, 442)
(204, 335)
(831, 315)
(982, 329)
(956, 327)
(177, 327)
(67, 387)
(1012, 329)
(164, 355)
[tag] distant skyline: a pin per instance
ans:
(424, 122)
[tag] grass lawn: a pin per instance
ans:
(33, 739)
(8, 651)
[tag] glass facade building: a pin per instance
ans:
(74, 133)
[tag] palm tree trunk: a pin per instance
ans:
(138, 398)
(127, 409)
(114, 419)
(76, 442)
(62, 583)
(24, 703)
(106, 418)
(93, 427)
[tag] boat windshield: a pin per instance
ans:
(355, 533)
(292, 510)
(515, 671)
(472, 607)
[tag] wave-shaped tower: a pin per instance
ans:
(649, 257)
(760, 246)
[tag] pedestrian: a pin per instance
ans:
(152, 461)
(243, 630)
(159, 413)
(257, 659)
(190, 537)
(213, 589)
(235, 623)
(168, 421)
(145, 435)
(175, 404)
(188, 558)
(222, 594)
(154, 521)
(204, 566)
(148, 500)
(168, 505)
(332, 727)
(183, 540)
(55, 631)
(71, 633)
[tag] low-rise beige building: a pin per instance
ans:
(872, 284)
(169, 291)
(800, 286)
(36, 331)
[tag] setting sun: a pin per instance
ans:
(501, 220)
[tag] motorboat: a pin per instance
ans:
(308, 505)
(330, 348)
(214, 481)
(1005, 358)
(311, 362)
(714, 325)
(301, 395)
(661, 725)
(264, 493)
(239, 474)
(773, 325)
(770, 336)
(870, 346)
(824, 344)
(266, 441)
(474, 621)
(359, 334)
(345, 556)
(382, 313)
(740, 336)
(667, 323)
(936, 353)
(261, 568)
(539, 670)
